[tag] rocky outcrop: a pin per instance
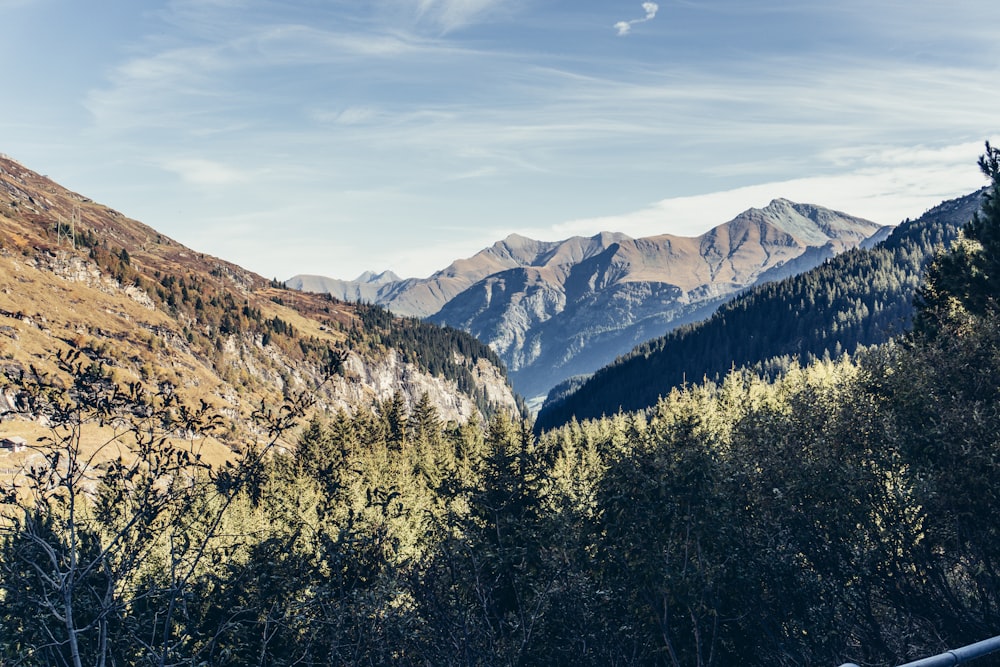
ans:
(367, 380)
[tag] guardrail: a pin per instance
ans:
(954, 657)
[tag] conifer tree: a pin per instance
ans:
(312, 455)
(942, 393)
(966, 279)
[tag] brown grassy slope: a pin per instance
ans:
(75, 274)
(80, 293)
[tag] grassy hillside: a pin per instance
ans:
(76, 275)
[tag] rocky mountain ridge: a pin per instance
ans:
(553, 310)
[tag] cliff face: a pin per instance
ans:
(553, 310)
(78, 276)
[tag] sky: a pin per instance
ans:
(333, 137)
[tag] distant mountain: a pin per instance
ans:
(363, 289)
(421, 297)
(78, 276)
(861, 297)
(557, 309)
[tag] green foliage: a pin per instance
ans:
(946, 411)
(843, 511)
(834, 514)
(967, 277)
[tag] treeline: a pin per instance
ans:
(860, 298)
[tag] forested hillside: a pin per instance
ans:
(862, 297)
(78, 276)
(844, 511)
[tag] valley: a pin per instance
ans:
(212, 468)
(555, 310)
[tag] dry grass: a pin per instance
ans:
(98, 444)
(112, 328)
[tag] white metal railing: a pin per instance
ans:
(954, 657)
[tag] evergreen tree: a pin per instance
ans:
(394, 417)
(313, 455)
(967, 277)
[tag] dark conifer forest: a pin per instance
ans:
(842, 510)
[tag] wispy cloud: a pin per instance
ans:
(456, 13)
(885, 185)
(340, 100)
(439, 16)
(625, 27)
(202, 172)
(187, 87)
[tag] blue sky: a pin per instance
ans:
(332, 137)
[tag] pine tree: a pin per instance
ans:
(966, 279)
(314, 449)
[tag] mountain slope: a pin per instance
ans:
(421, 297)
(561, 318)
(861, 297)
(557, 309)
(76, 275)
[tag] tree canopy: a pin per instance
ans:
(843, 510)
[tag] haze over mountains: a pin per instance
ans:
(553, 310)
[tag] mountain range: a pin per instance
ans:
(79, 277)
(861, 298)
(553, 310)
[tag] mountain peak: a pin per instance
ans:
(525, 297)
(810, 224)
(372, 278)
(780, 204)
(518, 247)
(608, 238)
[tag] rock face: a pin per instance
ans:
(553, 310)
